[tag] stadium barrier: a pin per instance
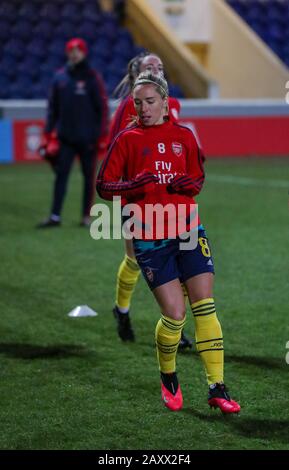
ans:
(225, 128)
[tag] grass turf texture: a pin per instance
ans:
(71, 384)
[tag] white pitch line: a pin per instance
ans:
(248, 181)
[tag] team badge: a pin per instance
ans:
(177, 148)
(149, 274)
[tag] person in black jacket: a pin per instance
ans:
(78, 112)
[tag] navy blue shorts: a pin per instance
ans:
(162, 261)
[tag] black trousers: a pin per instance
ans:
(87, 156)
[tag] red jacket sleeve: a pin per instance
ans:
(111, 177)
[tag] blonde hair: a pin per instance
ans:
(147, 78)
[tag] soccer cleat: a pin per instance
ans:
(124, 328)
(219, 398)
(49, 223)
(171, 401)
(185, 342)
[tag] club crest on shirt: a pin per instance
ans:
(177, 148)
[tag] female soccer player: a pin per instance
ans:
(158, 161)
(128, 272)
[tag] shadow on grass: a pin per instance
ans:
(263, 362)
(35, 351)
(254, 361)
(266, 429)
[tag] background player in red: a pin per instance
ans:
(128, 272)
(159, 161)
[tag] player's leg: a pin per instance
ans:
(159, 268)
(168, 335)
(64, 164)
(127, 277)
(198, 271)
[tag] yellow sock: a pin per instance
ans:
(209, 339)
(127, 277)
(168, 335)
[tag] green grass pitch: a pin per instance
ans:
(71, 384)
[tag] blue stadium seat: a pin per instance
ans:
(8, 11)
(87, 30)
(98, 63)
(65, 30)
(4, 87)
(50, 11)
(124, 50)
(255, 11)
(91, 12)
(276, 32)
(21, 88)
(22, 30)
(4, 30)
(124, 36)
(175, 91)
(56, 48)
(8, 66)
(110, 83)
(273, 12)
(37, 48)
(110, 18)
(71, 12)
(108, 31)
(29, 66)
(113, 70)
(50, 66)
(14, 47)
(102, 48)
(44, 30)
(29, 11)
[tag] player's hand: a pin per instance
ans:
(180, 184)
(49, 145)
(146, 181)
(145, 177)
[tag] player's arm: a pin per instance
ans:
(190, 183)
(113, 169)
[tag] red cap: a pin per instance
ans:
(76, 42)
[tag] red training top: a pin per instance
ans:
(167, 151)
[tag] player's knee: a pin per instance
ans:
(177, 312)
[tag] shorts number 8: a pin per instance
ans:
(205, 247)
